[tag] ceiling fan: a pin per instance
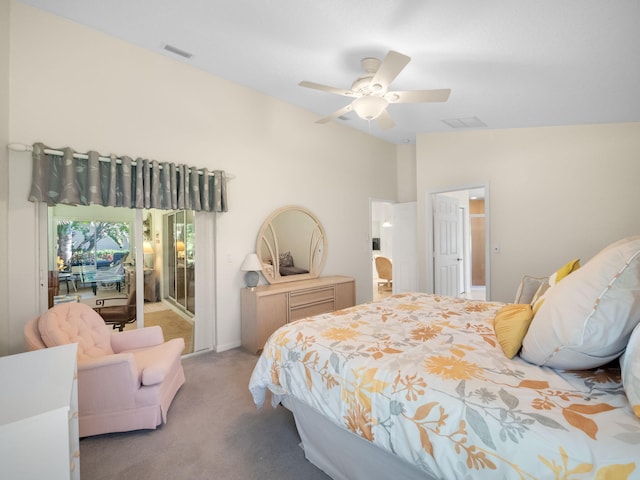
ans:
(371, 91)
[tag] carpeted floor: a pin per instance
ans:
(214, 431)
(173, 326)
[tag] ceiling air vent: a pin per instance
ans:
(469, 122)
(177, 51)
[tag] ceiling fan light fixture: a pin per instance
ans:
(369, 107)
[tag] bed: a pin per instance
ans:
(419, 386)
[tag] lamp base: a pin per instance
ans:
(252, 279)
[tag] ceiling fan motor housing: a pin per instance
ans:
(370, 65)
(362, 85)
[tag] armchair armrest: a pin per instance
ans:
(107, 383)
(138, 338)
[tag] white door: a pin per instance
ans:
(405, 248)
(446, 245)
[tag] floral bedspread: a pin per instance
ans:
(423, 377)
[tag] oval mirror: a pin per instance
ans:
(291, 245)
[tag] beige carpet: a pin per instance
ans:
(172, 324)
(213, 432)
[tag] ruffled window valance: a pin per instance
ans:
(63, 176)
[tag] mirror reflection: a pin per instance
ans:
(291, 245)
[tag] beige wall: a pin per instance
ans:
(71, 86)
(4, 178)
(555, 193)
(406, 154)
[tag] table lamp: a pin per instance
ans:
(252, 266)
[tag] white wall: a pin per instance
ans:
(556, 193)
(71, 86)
(406, 173)
(4, 178)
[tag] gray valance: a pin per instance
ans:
(69, 178)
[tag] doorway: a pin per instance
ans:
(92, 260)
(460, 233)
(381, 248)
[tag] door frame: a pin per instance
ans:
(429, 267)
(205, 335)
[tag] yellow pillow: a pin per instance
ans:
(511, 324)
(555, 277)
(565, 270)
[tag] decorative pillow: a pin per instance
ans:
(528, 287)
(554, 278)
(630, 367)
(586, 320)
(511, 324)
(286, 260)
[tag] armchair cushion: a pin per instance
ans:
(110, 376)
(155, 363)
(76, 323)
(138, 338)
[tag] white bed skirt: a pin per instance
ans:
(343, 455)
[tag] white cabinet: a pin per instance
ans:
(39, 415)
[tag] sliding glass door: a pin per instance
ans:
(179, 228)
(88, 252)
(91, 255)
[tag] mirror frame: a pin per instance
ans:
(317, 248)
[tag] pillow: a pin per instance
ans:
(528, 287)
(286, 260)
(630, 369)
(563, 271)
(511, 324)
(554, 278)
(586, 320)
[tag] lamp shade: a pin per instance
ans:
(146, 247)
(180, 246)
(252, 266)
(251, 263)
(369, 107)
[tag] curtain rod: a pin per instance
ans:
(21, 147)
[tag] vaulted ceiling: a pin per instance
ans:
(508, 63)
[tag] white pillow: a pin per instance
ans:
(630, 368)
(528, 287)
(586, 319)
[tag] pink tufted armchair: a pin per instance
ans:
(126, 380)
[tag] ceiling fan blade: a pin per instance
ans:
(326, 88)
(336, 114)
(391, 66)
(418, 96)
(384, 121)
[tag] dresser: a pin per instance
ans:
(39, 415)
(268, 307)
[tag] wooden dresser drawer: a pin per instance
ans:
(266, 308)
(314, 295)
(313, 309)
